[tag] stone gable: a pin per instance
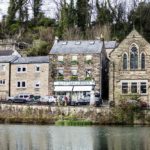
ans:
(130, 76)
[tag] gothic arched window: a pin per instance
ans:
(125, 62)
(134, 58)
(142, 61)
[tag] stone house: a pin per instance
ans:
(77, 67)
(129, 70)
(30, 75)
(5, 75)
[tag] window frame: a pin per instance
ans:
(74, 58)
(76, 74)
(134, 86)
(37, 83)
(134, 61)
(138, 84)
(143, 54)
(60, 58)
(87, 59)
(21, 69)
(21, 84)
(2, 82)
(37, 66)
(146, 84)
(123, 88)
(3, 68)
(125, 68)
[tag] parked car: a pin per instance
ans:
(47, 99)
(83, 101)
(22, 98)
(86, 100)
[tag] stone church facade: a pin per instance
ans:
(129, 69)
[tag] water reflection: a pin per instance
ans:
(24, 137)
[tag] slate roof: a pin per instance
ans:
(77, 47)
(30, 60)
(110, 44)
(6, 52)
(7, 59)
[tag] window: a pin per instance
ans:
(60, 58)
(124, 87)
(21, 84)
(134, 58)
(88, 57)
(143, 61)
(21, 69)
(125, 62)
(74, 72)
(37, 84)
(74, 58)
(37, 68)
(60, 72)
(143, 88)
(88, 73)
(18, 69)
(2, 67)
(2, 82)
(133, 87)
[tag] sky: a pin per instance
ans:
(49, 7)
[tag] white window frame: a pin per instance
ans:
(76, 72)
(21, 69)
(58, 70)
(122, 87)
(74, 58)
(3, 68)
(88, 57)
(37, 82)
(21, 84)
(138, 86)
(36, 66)
(2, 82)
(60, 58)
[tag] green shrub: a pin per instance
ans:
(74, 78)
(88, 78)
(74, 62)
(60, 78)
(88, 62)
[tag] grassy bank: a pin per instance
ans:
(75, 116)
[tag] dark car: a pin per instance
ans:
(22, 98)
(83, 101)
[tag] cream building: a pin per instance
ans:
(5, 75)
(30, 75)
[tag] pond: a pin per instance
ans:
(32, 137)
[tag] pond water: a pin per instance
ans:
(30, 137)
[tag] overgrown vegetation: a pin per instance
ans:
(74, 20)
